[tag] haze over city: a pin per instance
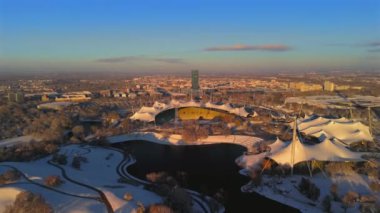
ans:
(176, 36)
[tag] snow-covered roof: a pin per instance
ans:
(326, 150)
(148, 114)
(341, 129)
(143, 116)
(55, 105)
(315, 121)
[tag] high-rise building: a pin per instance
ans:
(328, 86)
(194, 79)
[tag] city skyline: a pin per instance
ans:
(171, 36)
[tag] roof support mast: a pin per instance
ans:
(369, 120)
(293, 144)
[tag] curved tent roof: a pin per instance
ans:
(312, 121)
(342, 129)
(148, 117)
(148, 114)
(324, 151)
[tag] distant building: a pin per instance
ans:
(74, 96)
(356, 87)
(120, 94)
(106, 93)
(328, 86)
(296, 85)
(194, 79)
(16, 97)
(45, 98)
(342, 87)
(304, 87)
(132, 95)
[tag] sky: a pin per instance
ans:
(179, 35)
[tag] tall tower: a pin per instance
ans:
(194, 79)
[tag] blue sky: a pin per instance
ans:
(211, 35)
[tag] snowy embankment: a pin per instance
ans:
(284, 189)
(67, 197)
(247, 141)
(91, 188)
(17, 140)
(59, 202)
(80, 190)
(101, 172)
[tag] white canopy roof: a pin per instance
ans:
(143, 116)
(342, 129)
(324, 151)
(148, 114)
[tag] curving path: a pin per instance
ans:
(103, 197)
(129, 160)
(121, 170)
(50, 188)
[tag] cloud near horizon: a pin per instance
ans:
(140, 58)
(374, 44)
(243, 47)
(377, 50)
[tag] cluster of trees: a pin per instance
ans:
(122, 126)
(176, 198)
(331, 168)
(59, 158)
(368, 203)
(309, 189)
(14, 118)
(77, 161)
(29, 202)
(193, 131)
(53, 181)
(10, 175)
(159, 208)
(50, 126)
(339, 168)
(90, 111)
(28, 151)
(268, 166)
(62, 160)
(260, 147)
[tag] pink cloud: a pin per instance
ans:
(140, 59)
(243, 47)
(374, 44)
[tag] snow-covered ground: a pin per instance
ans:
(83, 189)
(55, 105)
(249, 162)
(17, 140)
(284, 189)
(334, 101)
(60, 202)
(99, 173)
